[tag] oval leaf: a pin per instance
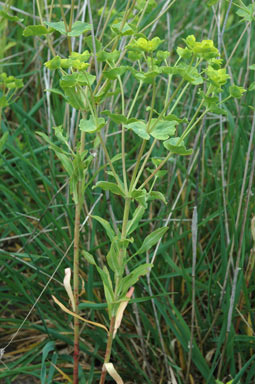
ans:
(108, 186)
(78, 28)
(115, 72)
(176, 146)
(139, 127)
(91, 125)
(35, 30)
(152, 239)
(163, 129)
(57, 26)
(90, 259)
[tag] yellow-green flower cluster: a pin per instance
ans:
(10, 82)
(147, 45)
(218, 77)
(204, 49)
(76, 61)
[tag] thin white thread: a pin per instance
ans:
(2, 350)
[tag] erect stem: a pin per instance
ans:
(123, 137)
(125, 218)
(76, 290)
(108, 350)
(76, 272)
(112, 323)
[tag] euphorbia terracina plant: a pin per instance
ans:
(93, 82)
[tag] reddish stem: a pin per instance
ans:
(108, 350)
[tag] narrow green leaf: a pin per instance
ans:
(115, 72)
(117, 118)
(3, 140)
(55, 91)
(9, 17)
(172, 117)
(108, 290)
(113, 258)
(137, 216)
(152, 239)
(54, 147)
(108, 186)
(66, 162)
(90, 259)
(252, 86)
(156, 195)
(129, 280)
(108, 229)
(49, 347)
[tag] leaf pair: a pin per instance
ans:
(160, 129)
(78, 28)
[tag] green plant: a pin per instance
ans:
(92, 94)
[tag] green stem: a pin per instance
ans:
(47, 36)
(76, 272)
(134, 180)
(133, 183)
(125, 218)
(123, 137)
(156, 170)
(135, 99)
(162, 113)
(67, 28)
(193, 122)
(109, 160)
(179, 98)
(115, 42)
(152, 103)
(145, 162)
(107, 20)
